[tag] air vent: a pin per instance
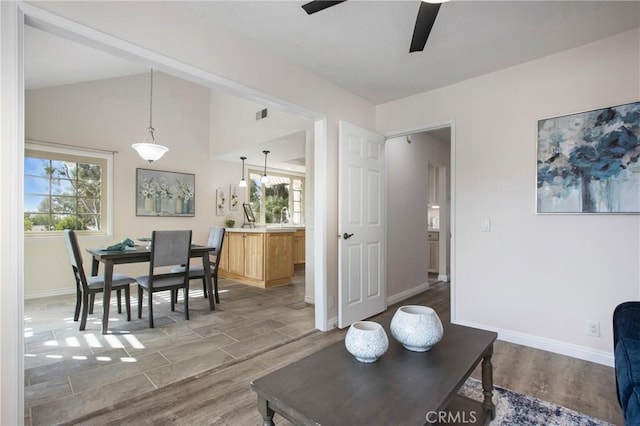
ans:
(262, 114)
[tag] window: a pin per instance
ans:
(65, 189)
(280, 201)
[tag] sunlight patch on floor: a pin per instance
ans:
(72, 342)
(113, 341)
(92, 340)
(133, 341)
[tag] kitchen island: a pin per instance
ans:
(261, 256)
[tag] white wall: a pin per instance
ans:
(534, 278)
(234, 127)
(112, 114)
(407, 198)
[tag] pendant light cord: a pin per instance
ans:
(265, 161)
(151, 129)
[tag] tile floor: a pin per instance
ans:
(69, 373)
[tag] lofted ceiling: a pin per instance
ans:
(362, 46)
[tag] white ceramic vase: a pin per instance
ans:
(416, 327)
(366, 341)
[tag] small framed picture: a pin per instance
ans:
(221, 200)
(234, 199)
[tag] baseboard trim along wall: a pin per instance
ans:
(49, 293)
(406, 294)
(443, 278)
(555, 346)
(332, 323)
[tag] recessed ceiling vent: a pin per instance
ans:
(262, 114)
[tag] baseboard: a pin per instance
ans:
(332, 323)
(443, 278)
(49, 293)
(550, 345)
(391, 300)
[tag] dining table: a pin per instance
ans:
(138, 254)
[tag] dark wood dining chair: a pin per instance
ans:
(88, 287)
(216, 239)
(168, 249)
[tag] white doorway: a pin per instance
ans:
(415, 192)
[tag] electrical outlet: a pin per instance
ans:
(331, 301)
(593, 328)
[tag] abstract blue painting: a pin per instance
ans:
(590, 162)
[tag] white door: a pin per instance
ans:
(361, 224)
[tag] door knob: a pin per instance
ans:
(347, 236)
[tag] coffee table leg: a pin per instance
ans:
(487, 383)
(263, 405)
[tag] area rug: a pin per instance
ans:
(513, 408)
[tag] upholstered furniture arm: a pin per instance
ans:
(626, 321)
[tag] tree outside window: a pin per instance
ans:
(63, 192)
(279, 201)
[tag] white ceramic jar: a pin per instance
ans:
(417, 327)
(366, 341)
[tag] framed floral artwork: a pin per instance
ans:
(162, 193)
(589, 162)
(221, 199)
(234, 199)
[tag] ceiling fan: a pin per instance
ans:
(424, 21)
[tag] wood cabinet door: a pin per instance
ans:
(434, 256)
(298, 248)
(224, 256)
(254, 256)
(235, 246)
(279, 257)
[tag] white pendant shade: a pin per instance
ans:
(150, 151)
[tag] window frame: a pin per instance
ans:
(49, 151)
(284, 174)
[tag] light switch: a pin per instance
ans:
(485, 226)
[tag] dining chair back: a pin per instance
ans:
(215, 240)
(168, 248)
(88, 287)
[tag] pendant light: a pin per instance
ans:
(243, 183)
(148, 149)
(265, 178)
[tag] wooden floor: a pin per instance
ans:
(221, 394)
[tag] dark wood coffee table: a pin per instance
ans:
(330, 387)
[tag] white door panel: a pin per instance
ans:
(362, 257)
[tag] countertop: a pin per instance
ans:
(266, 229)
